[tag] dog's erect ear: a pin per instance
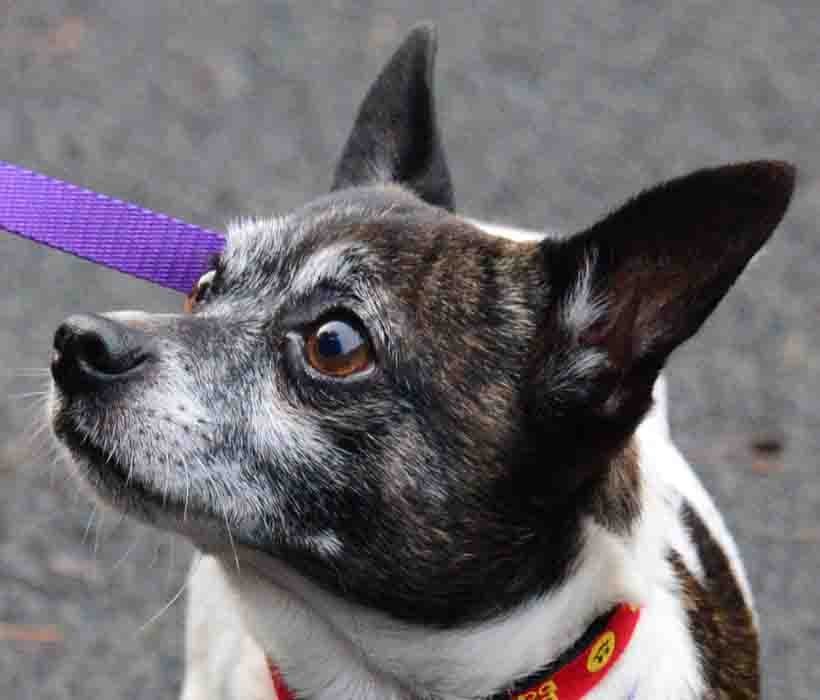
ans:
(640, 282)
(396, 137)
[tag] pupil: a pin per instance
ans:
(330, 344)
(337, 339)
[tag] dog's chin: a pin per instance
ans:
(123, 489)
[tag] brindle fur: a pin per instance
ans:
(720, 621)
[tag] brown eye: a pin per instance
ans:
(199, 291)
(338, 348)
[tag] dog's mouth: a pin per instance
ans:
(125, 488)
(104, 469)
(129, 489)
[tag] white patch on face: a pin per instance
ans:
(250, 240)
(278, 429)
(247, 235)
(330, 263)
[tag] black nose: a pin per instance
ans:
(92, 351)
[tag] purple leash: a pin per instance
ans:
(107, 231)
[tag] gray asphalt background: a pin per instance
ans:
(552, 113)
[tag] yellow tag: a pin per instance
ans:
(548, 690)
(601, 652)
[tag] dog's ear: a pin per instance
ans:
(395, 137)
(641, 281)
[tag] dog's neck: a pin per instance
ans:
(326, 646)
(575, 673)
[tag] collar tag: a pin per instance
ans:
(104, 230)
(586, 670)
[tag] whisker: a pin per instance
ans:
(124, 557)
(77, 493)
(28, 394)
(174, 599)
(89, 523)
(28, 372)
(120, 521)
(33, 405)
(230, 538)
(166, 485)
(30, 451)
(187, 475)
(38, 433)
(130, 473)
(155, 557)
(98, 532)
(34, 447)
(171, 552)
(52, 469)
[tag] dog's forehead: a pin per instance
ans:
(320, 223)
(374, 230)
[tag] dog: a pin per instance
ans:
(427, 457)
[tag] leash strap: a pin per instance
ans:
(104, 230)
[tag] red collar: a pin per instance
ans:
(280, 689)
(570, 682)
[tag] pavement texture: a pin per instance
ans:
(552, 114)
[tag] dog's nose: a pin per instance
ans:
(91, 351)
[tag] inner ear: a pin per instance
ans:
(395, 138)
(643, 280)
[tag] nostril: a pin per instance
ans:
(90, 350)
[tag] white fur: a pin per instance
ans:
(583, 308)
(682, 483)
(445, 663)
(275, 427)
(514, 234)
(249, 235)
(329, 263)
(223, 661)
(330, 649)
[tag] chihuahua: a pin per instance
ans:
(425, 457)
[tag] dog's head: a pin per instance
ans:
(412, 413)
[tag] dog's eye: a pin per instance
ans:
(199, 291)
(338, 347)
